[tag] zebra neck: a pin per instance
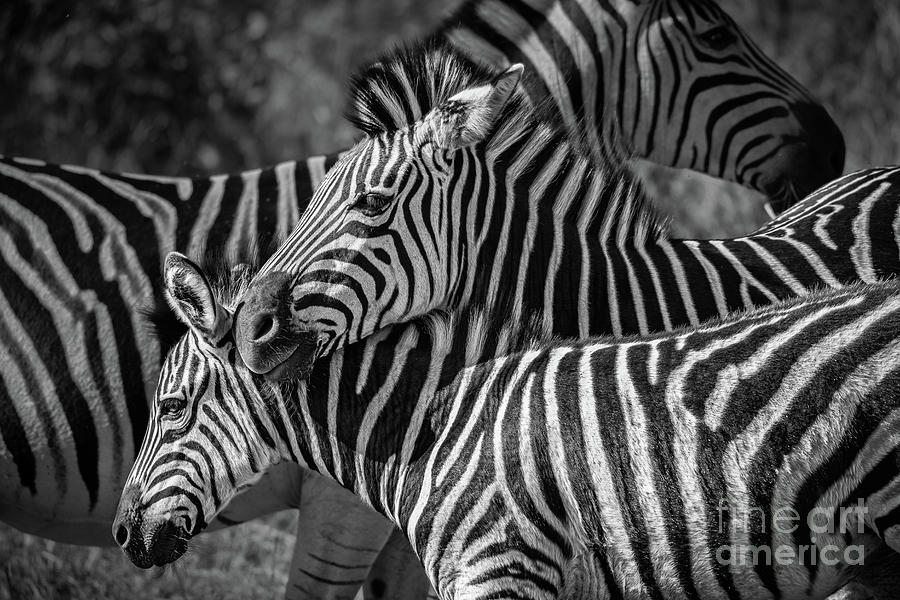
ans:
(549, 244)
(367, 412)
(580, 249)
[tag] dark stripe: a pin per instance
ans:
(610, 419)
(312, 575)
(326, 561)
(662, 453)
(266, 212)
(43, 335)
(224, 458)
(210, 476)
(229, 414)
(11, 428)
(220, 228)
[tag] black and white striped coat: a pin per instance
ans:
(649, 75)
(651, 467)
(62, 473)
(105, 233)
(80, 253)
(461, 194)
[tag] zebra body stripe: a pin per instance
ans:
(81, 251)
(524, 220)
(654, 466)
(162, 214)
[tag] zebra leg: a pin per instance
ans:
(338, 540)
(397, 573)
(278, 489)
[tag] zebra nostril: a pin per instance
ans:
(122, 536)
(263, 328)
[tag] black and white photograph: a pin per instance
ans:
(450, 300)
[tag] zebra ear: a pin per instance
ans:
(191, 297)
(468, 117)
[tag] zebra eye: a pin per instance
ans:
(172, 406)
(718, 38)
(371, 204)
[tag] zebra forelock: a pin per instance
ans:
(408, 82)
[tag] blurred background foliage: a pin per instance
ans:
(186, 87)
(193, 87)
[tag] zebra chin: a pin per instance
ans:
(266, 338)
(804, 163)
(288, 361)
(792, 174)
(298, 365)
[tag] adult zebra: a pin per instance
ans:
(461, 194)
(749, 457)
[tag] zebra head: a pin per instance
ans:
(704, 97)
(389, 232)
(677, 81)
(195, 456)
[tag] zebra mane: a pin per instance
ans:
(405, 84)
(229, 276)
(409, 81)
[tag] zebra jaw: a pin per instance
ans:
(299, 364)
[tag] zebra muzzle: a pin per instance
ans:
(299, 364)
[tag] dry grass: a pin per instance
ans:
(267, 86)
(247, 561)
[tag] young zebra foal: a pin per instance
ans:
(752, 457)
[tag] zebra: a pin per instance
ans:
(461, 194)
(81, 250)
(34, 439)
(752, 456)
(648, 73)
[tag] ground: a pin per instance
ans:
(248, 561)
(203, 86)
